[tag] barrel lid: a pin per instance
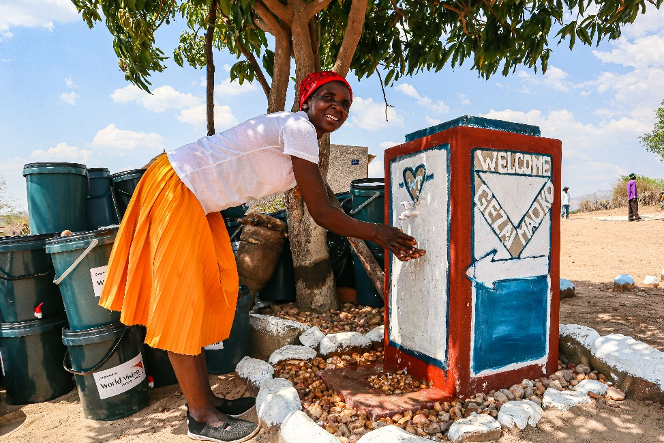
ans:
(93, 335)
(368, 183)
(24, 242)
(81, 240)
(99, 172)
(32, 327)
(54, 168)
(127, 175)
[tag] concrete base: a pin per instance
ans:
(357, 393)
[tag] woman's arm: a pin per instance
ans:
(314, 193)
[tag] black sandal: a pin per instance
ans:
(238, 407)
(231, 431)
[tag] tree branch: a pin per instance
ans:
(352, 34)
(268, 17)
(257, 68)
(315, 7)
(209, 37)
(283, 12)
(282, 54)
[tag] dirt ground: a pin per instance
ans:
(593, 252)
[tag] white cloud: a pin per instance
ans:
(410, 91)
(644, 52)
(554, 78)
(389, 144)
(370, 115)
(376, 168)
(35, 13)
(432, 121)
(69, 97)
(464, 99)
(645, 24)
(594, 155)
(62, 152)
(125, 140)
(69, 82)
(227, 87)
(197, 116)
(162, 98)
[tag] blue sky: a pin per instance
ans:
(64, 99)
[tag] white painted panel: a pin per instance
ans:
(419, 288)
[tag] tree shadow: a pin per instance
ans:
(638, 313)
(630, 422)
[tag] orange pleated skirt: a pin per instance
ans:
(172, 267)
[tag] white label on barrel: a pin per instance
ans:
(98, 275)
(121, 378)
(215, 347)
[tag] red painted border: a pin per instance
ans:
(457, 380)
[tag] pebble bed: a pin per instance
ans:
(350, 317)
(327, 408)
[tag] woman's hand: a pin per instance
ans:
(403, 246)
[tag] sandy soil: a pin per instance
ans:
(593, 252)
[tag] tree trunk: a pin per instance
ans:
(315, 286)
(209, 35)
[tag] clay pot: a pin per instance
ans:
(261, 244)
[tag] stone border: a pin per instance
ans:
(278, 404)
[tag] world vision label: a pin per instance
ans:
(514, 235)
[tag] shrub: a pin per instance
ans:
(594, 204)
(648, 190)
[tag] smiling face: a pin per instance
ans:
(328, 107)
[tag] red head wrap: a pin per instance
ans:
(315, 80)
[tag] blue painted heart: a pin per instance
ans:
(414, 179)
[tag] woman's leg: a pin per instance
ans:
(196, 388)
(202, 366)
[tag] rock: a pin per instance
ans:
(391, 434)
(566, 374)
(419, 418)
(535, 399)
(254, 371)
(555, 384)
(469, 409)
(292, 352)
(632, 366)
(480, 427)
(651, 281)
(583, 369)
(312, 337)
(576, 343)
(623, 283)
(567, 289)
(275, 400)
(343, 343)
(508, 394)
(564, 400)
(520, 414)
(377, 336)
(528, 392)
(299, 428)
(270, 333)
(615, 394)
(517, 391)
(500, 397)
(594, 386)
(432, 429)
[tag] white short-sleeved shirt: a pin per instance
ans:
(252, 159)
